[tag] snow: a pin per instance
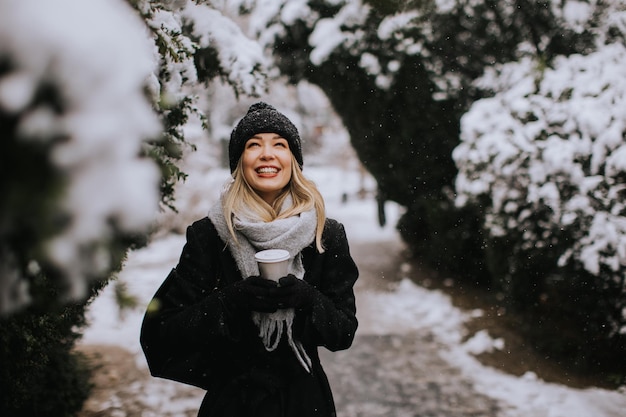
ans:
(328, 33)
(294, 10)
(326, 37)
(576, 14)
(369, 62)
(405, 308)
(391, 24)
(238, 54)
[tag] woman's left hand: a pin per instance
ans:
(294, 293)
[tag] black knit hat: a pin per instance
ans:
(263, 118)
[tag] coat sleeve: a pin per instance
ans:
(332, 322)
(187, 323)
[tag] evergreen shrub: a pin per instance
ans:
(545, 158)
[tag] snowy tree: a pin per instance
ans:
(545, 158)
(94, 99)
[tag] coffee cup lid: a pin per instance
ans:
(272, 255)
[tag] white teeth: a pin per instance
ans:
(267, 170)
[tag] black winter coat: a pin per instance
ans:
(191, 334)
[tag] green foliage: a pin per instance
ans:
(450, 238)
(30, 186)
(581, 306)
(40, 374)
(207, 64)
(565, 313)
(36, 343)
(586, 309)
(168, 150)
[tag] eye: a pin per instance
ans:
(282, 144)
(252, 143)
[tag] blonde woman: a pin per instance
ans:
(250, 342)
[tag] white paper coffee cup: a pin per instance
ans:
(273, 263)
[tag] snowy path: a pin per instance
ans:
(408, 358)
(393, 368)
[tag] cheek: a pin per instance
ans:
(288, 172)
(246, 173)
(285, 158)
(246, 168)
(247, 160)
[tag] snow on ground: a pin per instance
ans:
(407, 307)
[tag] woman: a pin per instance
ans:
(251, 343)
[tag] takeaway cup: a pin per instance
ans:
(272, 263)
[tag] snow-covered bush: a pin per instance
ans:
(77, 188)
(73, 119)
(545, 158)
(77, 126)
(95, 97)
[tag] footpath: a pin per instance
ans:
(394, 373)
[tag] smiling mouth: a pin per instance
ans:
(267, 170)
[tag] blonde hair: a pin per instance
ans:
(240, 198)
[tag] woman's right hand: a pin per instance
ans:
(253, 294)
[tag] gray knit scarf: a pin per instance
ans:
(292, 234)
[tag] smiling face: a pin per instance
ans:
(266, 164)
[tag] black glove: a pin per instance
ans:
(252, 294)
(295, 293)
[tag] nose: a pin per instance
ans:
(267, 151)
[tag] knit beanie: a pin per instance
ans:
(263, 118)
